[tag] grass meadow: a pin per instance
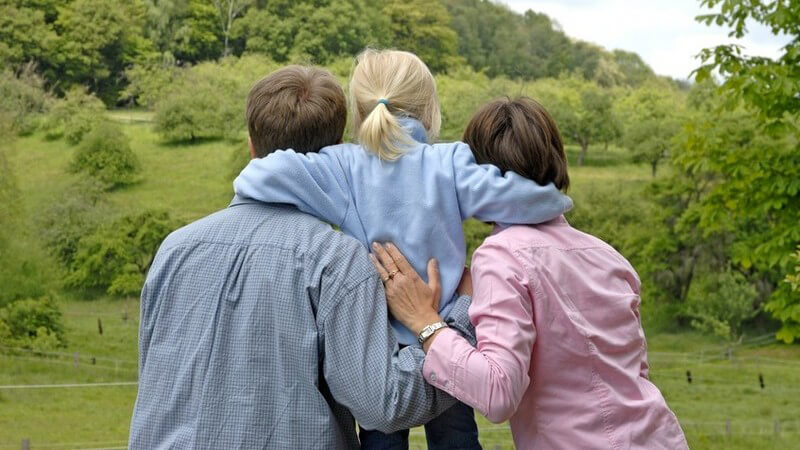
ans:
(723, 407)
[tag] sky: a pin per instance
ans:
(663, 32)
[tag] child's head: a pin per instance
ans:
(296, 107)
(387, 85)
(521, 136)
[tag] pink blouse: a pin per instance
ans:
(561, 351)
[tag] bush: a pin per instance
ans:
(721, 303)
(106, 156)
(76, 213)
(33, 324)
(23, 271)
(202, 102)
(23, 99)
(198, 113)
(116, 257)
(74, 116)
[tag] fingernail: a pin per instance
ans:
(375, 245)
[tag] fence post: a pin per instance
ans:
(99, 326)
(26, 444)
(728, 428)
(77, 359)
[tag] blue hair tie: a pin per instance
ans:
(383, 101)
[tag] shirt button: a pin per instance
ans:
(447, 383)
(433, 376)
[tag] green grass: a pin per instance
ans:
(191, 181)
(722, 389)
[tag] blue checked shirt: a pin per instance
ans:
(261, 327)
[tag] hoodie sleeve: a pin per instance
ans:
(487, 194)
(313, 182)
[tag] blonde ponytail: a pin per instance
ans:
(382, 134)
(387, 85)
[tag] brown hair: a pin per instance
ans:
(521, 136)
(297, 107)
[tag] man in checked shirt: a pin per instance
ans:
(261, 327)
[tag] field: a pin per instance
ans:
(723, 407)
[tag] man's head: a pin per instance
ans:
(296, 107)
(521, 136)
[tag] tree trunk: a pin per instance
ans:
(654, 166)
(582, 155)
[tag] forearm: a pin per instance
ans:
(484, 379)
(379, 383)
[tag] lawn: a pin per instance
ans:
(723, 407)
(722, 389)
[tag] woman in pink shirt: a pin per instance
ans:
(560, 348)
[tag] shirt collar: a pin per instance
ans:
(238, 200)
(414, 128)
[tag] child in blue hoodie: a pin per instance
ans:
(395, 186)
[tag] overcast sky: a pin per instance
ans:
(663, 32)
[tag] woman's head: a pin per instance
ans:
(387, 85)
(521, 136)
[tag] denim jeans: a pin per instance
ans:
(453, 429)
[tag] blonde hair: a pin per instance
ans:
(387, 85)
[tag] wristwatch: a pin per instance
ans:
(428, 331)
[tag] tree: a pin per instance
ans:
(336, 29)
(73, 116)
(77, 212)
(652, 116)
(722, 303)
(755, 164)
(116, 256)
(633, 68)
(106, 156)
(23, 99)
(25, 36)
(793, 279)
(228, 11)
(423, 27)
(582, 109)
(97, 39)
(205, 101)
(32, 324)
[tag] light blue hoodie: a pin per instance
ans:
(417, 202)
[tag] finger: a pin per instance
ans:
(400, 260)
(384, 258)
(434, 282)
(379, 267)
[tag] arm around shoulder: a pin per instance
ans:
(313, 182)
(487, 194)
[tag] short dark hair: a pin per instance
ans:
(521, 136)
(297, 107)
